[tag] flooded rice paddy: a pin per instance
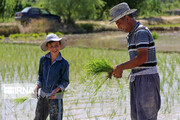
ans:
(19, 64)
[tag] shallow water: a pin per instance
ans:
(166, 42)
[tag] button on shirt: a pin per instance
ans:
(53, 75)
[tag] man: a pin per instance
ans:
(144, 83)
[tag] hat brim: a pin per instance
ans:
(63, 42)
(122, 15)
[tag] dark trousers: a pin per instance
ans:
(145, 97)
(45, 106)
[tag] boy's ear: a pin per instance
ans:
(127, 17)
(47, 47)
(61, 45)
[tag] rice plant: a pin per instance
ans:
(20, 100)
(95, 67)
(155, 35)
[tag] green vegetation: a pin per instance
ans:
(19, 63)
(1, 38)
(95, 67)
(73, 10)
(20, 100)
(87, 27)
(30, 37)
(155, 35)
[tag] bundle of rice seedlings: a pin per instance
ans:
(95, 67)
(20, 100)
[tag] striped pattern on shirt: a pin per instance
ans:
(141, 37)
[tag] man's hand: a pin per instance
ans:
(141, 58)
(117, 72)
(54, 92)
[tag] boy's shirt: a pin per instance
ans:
(53, 75)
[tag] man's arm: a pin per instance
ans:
(141, 58)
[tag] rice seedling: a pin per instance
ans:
(95, 67)
(20, 100)
(155, 35)
(113, 114)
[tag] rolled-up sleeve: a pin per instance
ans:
(64, 82)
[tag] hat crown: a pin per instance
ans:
(52, 37)
(119, 9)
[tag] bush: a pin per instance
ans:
(87, 27)
(59, 34)
(27, 37)
(1, 38)
(34, 35)
(155, 35)
(13, 37)
(42, 34)
(7, 30)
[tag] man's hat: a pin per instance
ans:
(52, 37)
(120, 11)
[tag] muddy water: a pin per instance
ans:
(167, 42)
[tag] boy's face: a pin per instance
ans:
(54, 47)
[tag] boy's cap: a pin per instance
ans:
(52, 37)
(120, 11)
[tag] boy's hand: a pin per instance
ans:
(53, 97)
(35, 92)
(54, 92)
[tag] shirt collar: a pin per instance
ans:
(59, 57)
(135, 26)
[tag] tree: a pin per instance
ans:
(151, 7)
(108, 4)
(18, 6)
(2, 8)
(71, 10)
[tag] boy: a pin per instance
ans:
(53, 79)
